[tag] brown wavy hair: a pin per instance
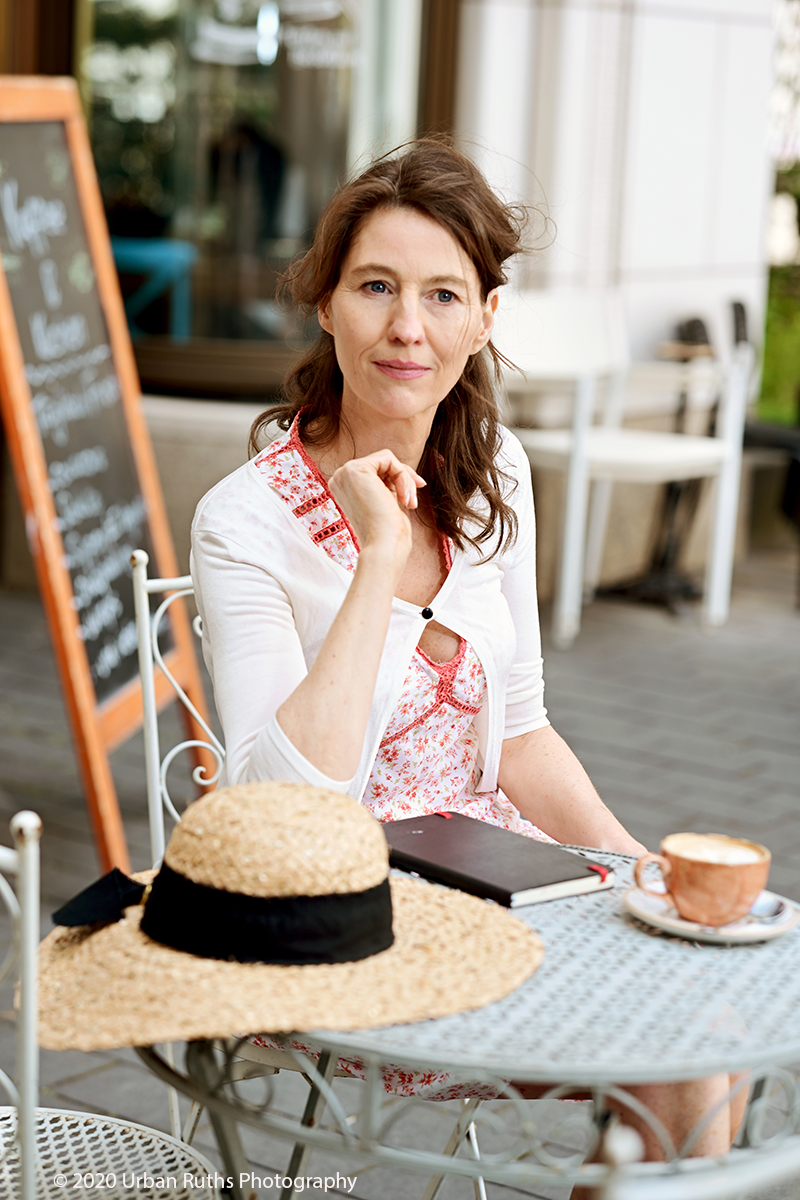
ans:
(465, 485)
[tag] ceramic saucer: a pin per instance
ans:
(657, 911)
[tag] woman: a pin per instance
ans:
(403, 497)
(367, 582)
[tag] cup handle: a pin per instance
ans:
(666, 871)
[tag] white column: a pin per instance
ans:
(698, 174)
(493, 109)
(644, 125)
(383, 111)
(578, 145)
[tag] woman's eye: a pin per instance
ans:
(376, 287)
(444, 297)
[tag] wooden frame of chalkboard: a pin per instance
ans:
(77, 437)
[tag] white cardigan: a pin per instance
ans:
(268, 595)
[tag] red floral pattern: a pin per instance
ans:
(397, 1080)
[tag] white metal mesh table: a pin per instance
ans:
(612, 1004)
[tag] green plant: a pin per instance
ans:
(778, 402)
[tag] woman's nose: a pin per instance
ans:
(406, 321)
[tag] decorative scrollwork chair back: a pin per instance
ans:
(39, 1144)
(208, 753)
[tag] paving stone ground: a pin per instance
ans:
(678, 729)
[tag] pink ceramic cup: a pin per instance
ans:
(710, 878)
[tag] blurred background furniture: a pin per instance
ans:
(166, 264)
(783, 440)
(664, 580)
(44, 1151)
(579, 337)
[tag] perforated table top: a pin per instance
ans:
(614, 1002)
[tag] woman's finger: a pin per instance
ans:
(357, 477)
(403, 487)
(402, 479)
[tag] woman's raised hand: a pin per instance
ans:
(326, 715)
(375, 493)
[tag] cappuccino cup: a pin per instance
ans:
(710, 878)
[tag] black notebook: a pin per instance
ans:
(488, 861)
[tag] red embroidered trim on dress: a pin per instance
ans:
(309, 505)
(440, 666)
(444, 692)
(328, 531)
(296, 444)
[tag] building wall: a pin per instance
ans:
(640, 125)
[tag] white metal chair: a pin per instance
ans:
(253, 1060)
(580, 337)
(40, 1145)
(150, 629)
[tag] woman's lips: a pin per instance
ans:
(399, 368)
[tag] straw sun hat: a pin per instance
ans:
(274, 912)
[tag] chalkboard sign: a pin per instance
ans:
(80, 449)
(75, 392)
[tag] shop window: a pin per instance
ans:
(220, 129)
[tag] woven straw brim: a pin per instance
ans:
(117, 987)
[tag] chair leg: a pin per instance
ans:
(720, 554)
(478, 1184)
(599, 510)
(202, 1067)
(313, 1111)
(460, 1132)
(172, 1096)
(569, 594)
(726, 500)
(192, 1121)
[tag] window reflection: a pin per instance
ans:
(219, 125)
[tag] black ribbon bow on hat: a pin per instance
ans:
(101, 901)
(213, 923)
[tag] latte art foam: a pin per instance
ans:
(712, 848)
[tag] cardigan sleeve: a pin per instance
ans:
(524, 704)
(253, 654)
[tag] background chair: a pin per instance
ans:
(166, 264)
(579, 337)
(37, 1144)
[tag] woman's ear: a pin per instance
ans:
(324, 317)
(487, 321)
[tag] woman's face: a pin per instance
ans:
(405, 316)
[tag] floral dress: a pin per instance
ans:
(427, 759)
